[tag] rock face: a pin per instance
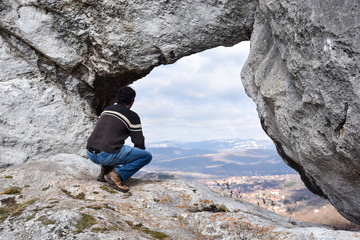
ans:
(44, 110)
(66, 202)
(61, 62)
(303, 73)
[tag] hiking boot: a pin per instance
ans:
(104, 170)
(115, 181)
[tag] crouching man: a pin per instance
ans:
(105, 145)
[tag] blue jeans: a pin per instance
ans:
(128, 161)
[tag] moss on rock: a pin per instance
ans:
(85, 222)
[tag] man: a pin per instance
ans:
(105, 145)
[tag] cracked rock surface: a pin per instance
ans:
(66, 202)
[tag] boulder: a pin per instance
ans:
(303, 73)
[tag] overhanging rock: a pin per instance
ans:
(303, 73)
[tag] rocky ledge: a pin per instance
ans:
(59, 198)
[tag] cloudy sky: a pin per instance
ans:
(200, 97)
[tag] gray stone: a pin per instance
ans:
(303, 73)
(62, 61)
(39, 115)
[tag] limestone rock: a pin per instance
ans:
(303, 73)
(66, 202)
(62, 61)
(44, 110)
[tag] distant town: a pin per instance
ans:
(283, 194)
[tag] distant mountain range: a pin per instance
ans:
(216, 159)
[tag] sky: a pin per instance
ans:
(199, 97)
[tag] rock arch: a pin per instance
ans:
(58, 56)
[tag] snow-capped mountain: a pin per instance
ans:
(217, 158)
(218, 145)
